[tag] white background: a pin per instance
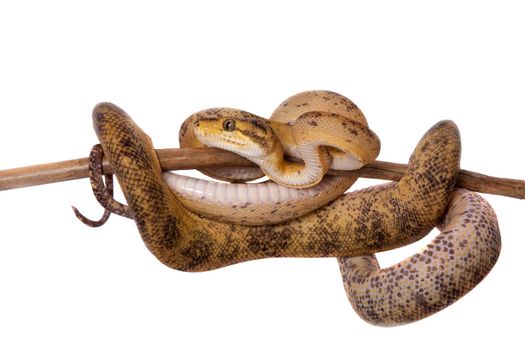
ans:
(407, 64)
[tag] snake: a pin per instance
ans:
(321, 128)
(352, 227)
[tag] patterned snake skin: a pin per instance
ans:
(351, 227)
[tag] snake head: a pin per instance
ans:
(236, 131)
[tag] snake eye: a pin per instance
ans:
(229, 125)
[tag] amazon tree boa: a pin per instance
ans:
(351, 227)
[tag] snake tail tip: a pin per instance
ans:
(89, 222)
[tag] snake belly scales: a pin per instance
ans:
(175, 227)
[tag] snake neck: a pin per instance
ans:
(297, 175)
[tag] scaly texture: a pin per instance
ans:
(102, 186)
(254, 203)
(446, 269)
(323, 128)
(356, 224)
(323, 115)
(374, 219)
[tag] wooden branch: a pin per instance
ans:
(467, 179)
(191, 158)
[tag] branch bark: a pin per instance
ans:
(192, 158)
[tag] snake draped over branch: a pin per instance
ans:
(199, 225)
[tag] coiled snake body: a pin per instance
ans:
(322, 128)
(350, 227)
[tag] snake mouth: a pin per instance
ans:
(218, 141)
(234, 143)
